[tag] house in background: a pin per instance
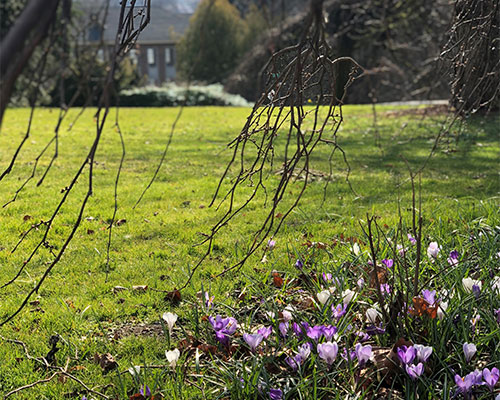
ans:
(155, 49)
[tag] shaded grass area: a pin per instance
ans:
(154, 247)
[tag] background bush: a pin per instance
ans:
(172, 95)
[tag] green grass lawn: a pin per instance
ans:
(155, 246)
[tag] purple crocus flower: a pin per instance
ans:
(476, 290)
(253, 340)
(375, 330)
(414, 371)
(328, 351)
(453, 257)
(406, 354)
(423, 352)
(314, 332)
(385, 289)
(469, 351)
(222, 338)
(497, 313)
(299, 264)
(411, 239)
(265, 332)
(300, 329)
(283, 328)
(275, 394)
(339, 311)
(293, 362)
(363, 353)
(361, 283)
(388, 262)
(363, 336)
(465, 384)
(329, 331)
(348, 355)
(304, 351)
(327, 277)
(271, 243)
(491, 377)
(429, 296)
(145, 391)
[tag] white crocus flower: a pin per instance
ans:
(135, 370)
(469, 283)
(372, 314)
(170, 319)
(173, 357)
(323, 296)
(443, 306)
(433, 250)
(355, 249)
(348, 295)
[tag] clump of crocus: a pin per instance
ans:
(328, 351)
(414, 371)
(409, 355)
(469, 351)
(303, 354)
(406, 354)
(466, 383)
(469, 284)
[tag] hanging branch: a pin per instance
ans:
(126, 34)
(293, 78)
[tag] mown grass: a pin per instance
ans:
(459, 189)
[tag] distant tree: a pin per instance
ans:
(213, 42)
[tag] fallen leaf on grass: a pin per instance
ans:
(120, 222)
(140, 288)
(117, 289)
(277, 280)
(27, 217)
(173, 297)
(105, 361)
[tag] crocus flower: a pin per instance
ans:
(401, 250)
(375, 330)
(299, 264)
(348, 355)
(275, 394)
(304, 351)
(497, 313)
(429, 296)
(209, 300)
(453, 258)
(476, 290)
(293, 362)
(323, 296)
(283, 328)
(145, 391)
(469, 283)
(491, 377)
(361, 283)
(363, 336)
(265, 332)
(363, 353)
(414, 371)
(385, 289)
(253, 340)
(135, 370)
(355, 249)
(329, 331)
(495, 284)
(433, 250)
(372, 314)
(327, 277)
(443, 306)
(328, 351)
(388, 262)
(314, 332)
(173, 357)
(300, 329)
(170, 319)
(339, 310)
(464, 384)
(423, 352)
(469, 351)
(271, 243)
(411, 239)
(348, 295)
(406, 354)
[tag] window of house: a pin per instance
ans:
(168, 56)
(133, 56)
(151, 56)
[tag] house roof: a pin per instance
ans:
(164, 26)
